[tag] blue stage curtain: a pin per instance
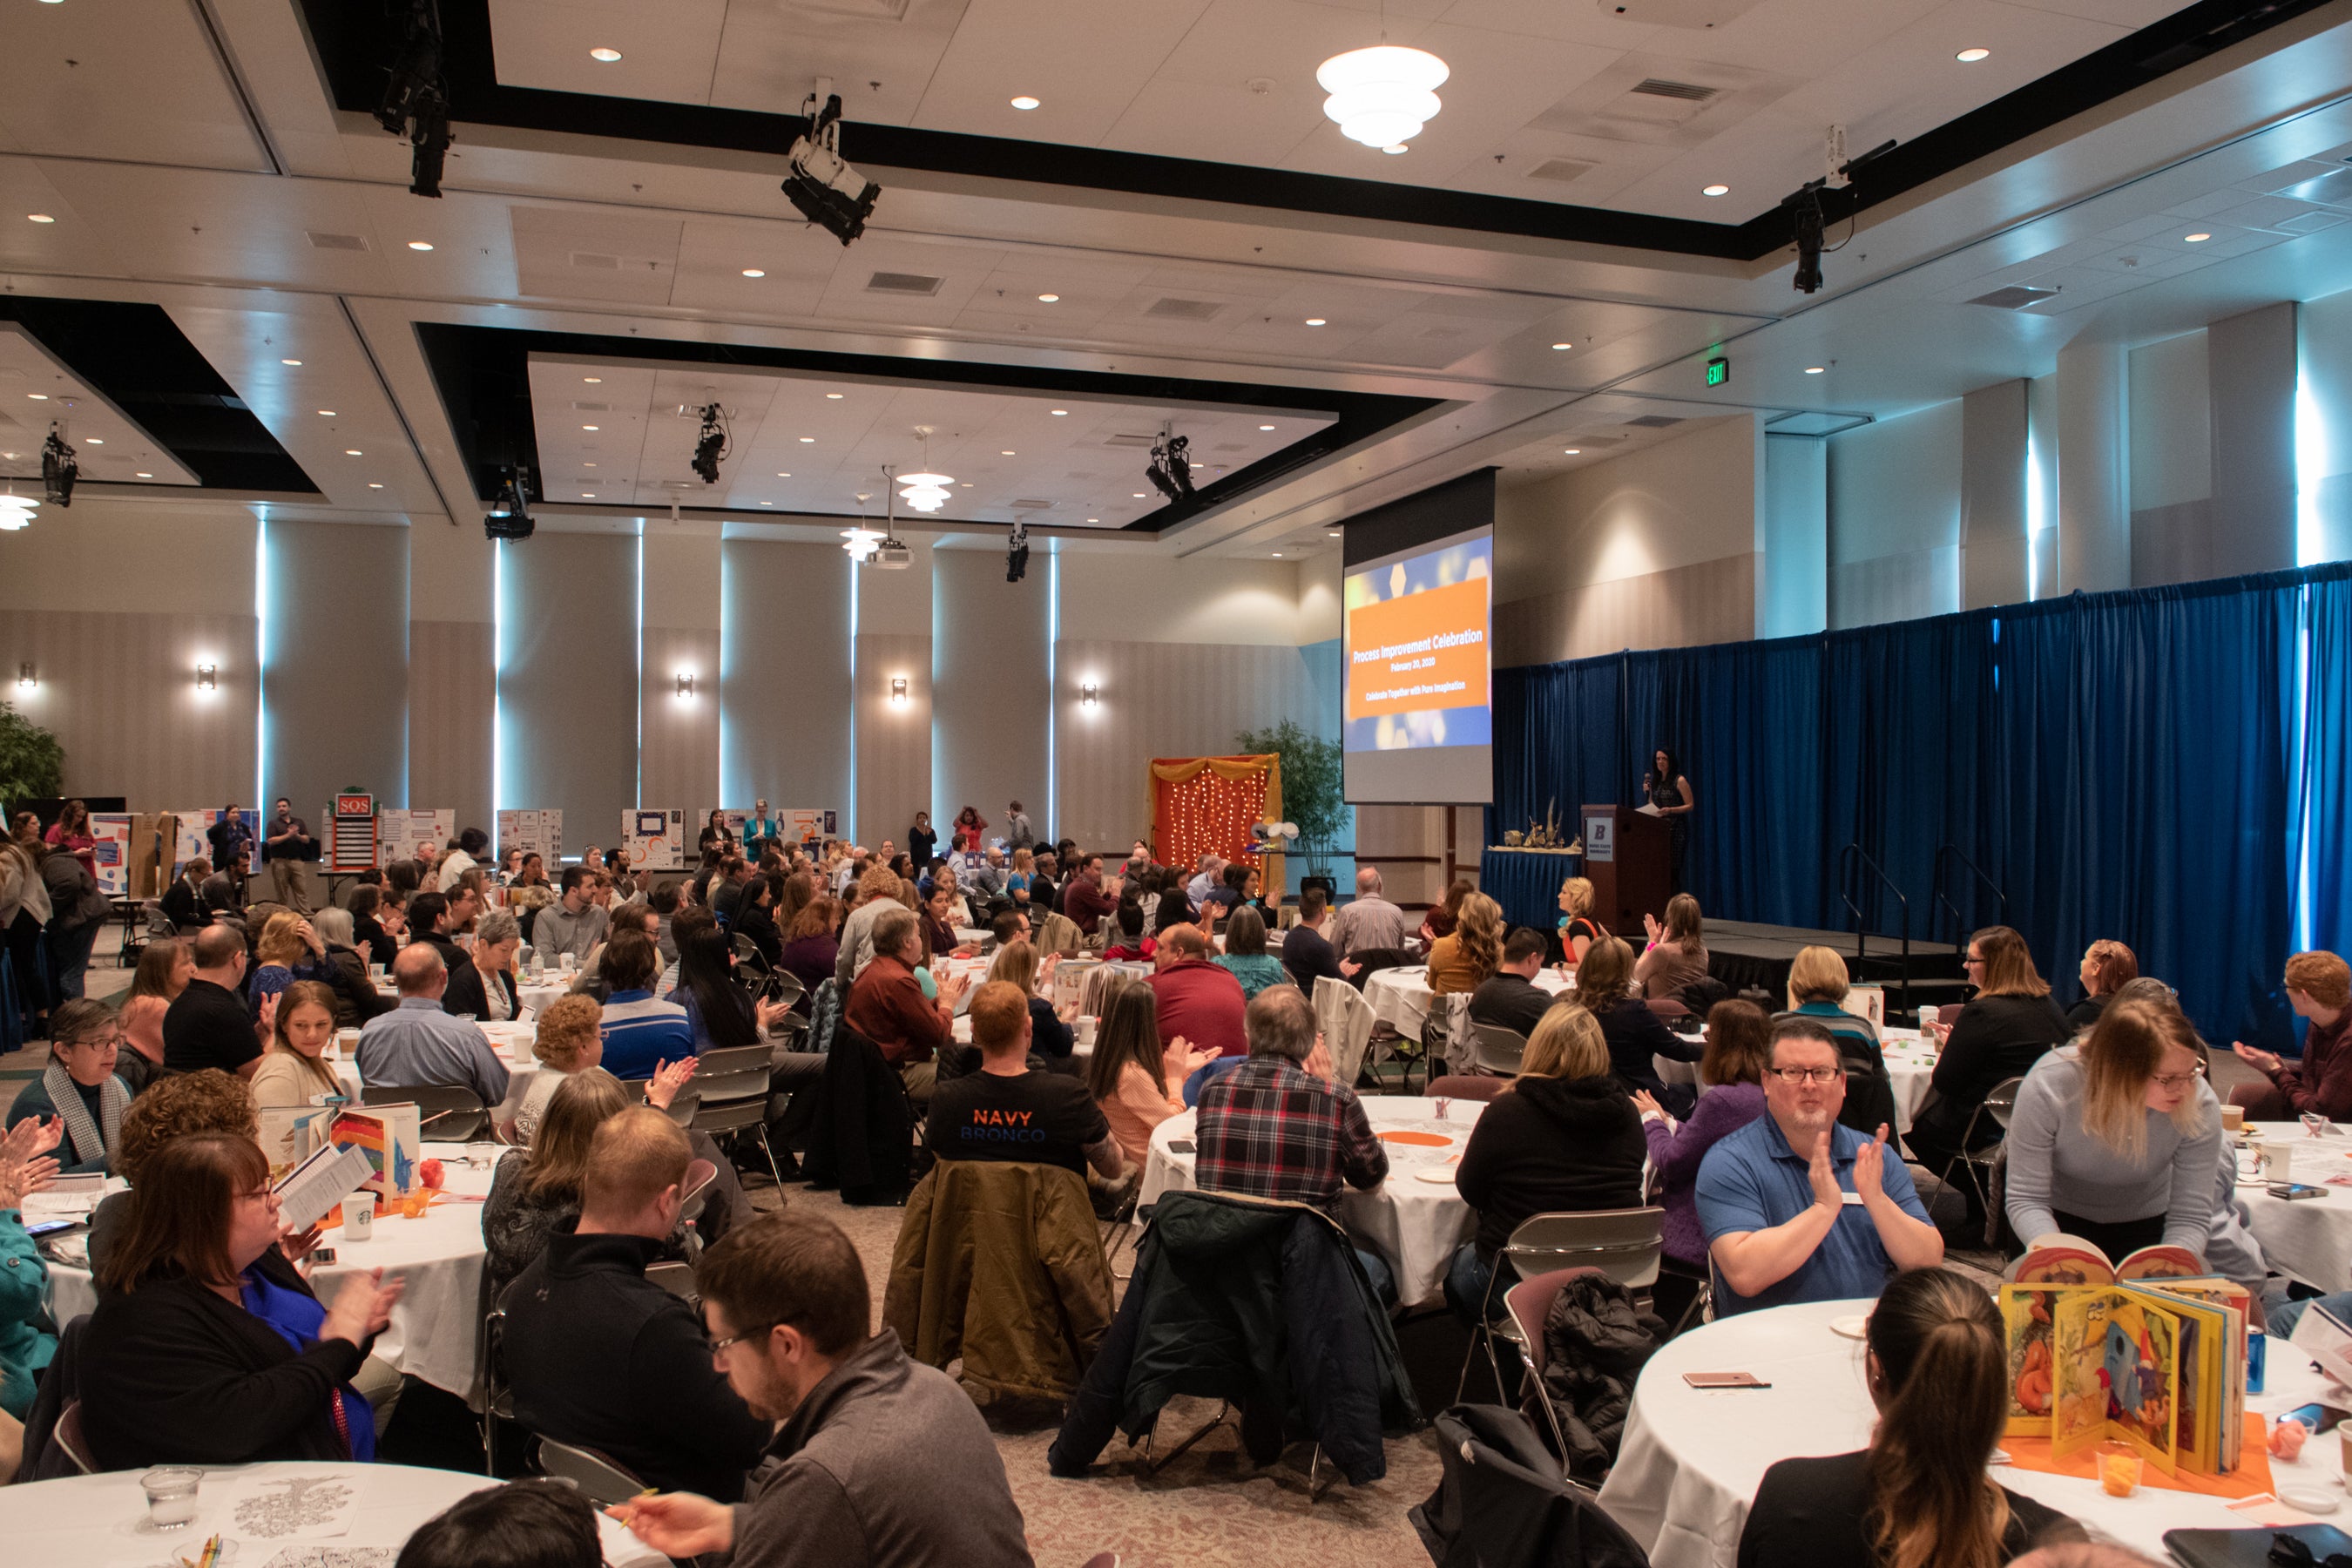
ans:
(2321, 805)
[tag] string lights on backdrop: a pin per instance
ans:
(1202, 804)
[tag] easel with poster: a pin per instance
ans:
(195, 843)
(653, 838)
(112, 832)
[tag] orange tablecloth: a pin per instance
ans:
(2251, 1478)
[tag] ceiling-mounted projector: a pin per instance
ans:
(891, 555)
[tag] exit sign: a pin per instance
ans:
(1718, 371)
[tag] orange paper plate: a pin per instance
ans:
(2251, 1477)
(1422, 1139)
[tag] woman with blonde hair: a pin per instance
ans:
(289, 950)
(2116, 1138)
(1561, 1137)
(294, 1072)
(536, 1189)
(1918, 1497)
(1578, 930)
(1635, 1035)
(2107, 967)
(1676, 954)
(1467, 957)
(1017, 965)
(878, 892)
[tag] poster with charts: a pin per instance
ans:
(193, 844)
(534, 832)
(113, 829)
(350, 833)
(653, 837)
(413, 835)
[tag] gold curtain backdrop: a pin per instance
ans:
(1201, 803)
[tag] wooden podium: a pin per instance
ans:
(1629, 859)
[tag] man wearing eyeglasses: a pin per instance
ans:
(1799, 1208)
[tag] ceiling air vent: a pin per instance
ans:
(593, 407)
(1562, 169)
(902, 283)
(1032, 504)
(1173, 309)
(595, 261)
(336, 241)
(2016, 296)
(1652, 422)
(1139, 442)
(1688, 91)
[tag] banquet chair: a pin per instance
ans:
(2000, 1104)
(588, 1472)
(1346, 1020)
(71, 1442)
(680, 1109)
(447, 1113)
(498, 1395)
(675, 1278)
(733, 1084)
(1527, 1305)
(1624, 1243)
(748, 964)
(1468, 1085)
(1499, 1050)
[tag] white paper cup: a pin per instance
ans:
(359, 1217)
(1085, 1029)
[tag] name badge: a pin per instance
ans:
(1851, 1197)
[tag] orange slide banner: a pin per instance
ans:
(1424, 651)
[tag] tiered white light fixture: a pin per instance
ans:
(926, 492)
(16, 511)
(1381, 95)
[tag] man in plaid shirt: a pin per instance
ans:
(1277, 1127)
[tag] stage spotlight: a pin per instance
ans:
(710, 445)
(510, 514)
(827, 191)
(1171, 471)
(1804, 210)
(58, 470)
(1807, 220)
(416, 103)
(1016, 552)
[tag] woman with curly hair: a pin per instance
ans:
(1467, 957)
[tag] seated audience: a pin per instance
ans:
(28, 1341)
(755, 917)
(574, 923)
(1018, 965)
(812, 947)
(1306, 949)
(1196, 998)
(1579, 928)
(1999, 1036)
(591, 981)
(1174, 907)
(1606, 989)
(1005, 1111)
(433, 920)
(1561, 1138)
(569, 1038)
(523, 1525)
(1246, 956)
(1278, 1127)
(178, 1106)
(642, 1032)
(937, 919)
(1445, 915)
(1771, 1196)
(1818, 989)
(888, 1005)
(602, 1357)
(483, 988)
(534, 1189)
(1127, 929)
(1509, 998)
(206, 1025)
(183, 902)
(664, 902)
(2114, 1138)
(356, 1000)
(79, 1086)
(1137, 1081)
(1084, 900)
(293, 1073)
(719, 1014)
(876, 1459)
(1676, 953)
(877, 893)
(165, 967)
(1370, 921)
(375, 940)
(1937, 1364)
(2107, 967)
(208, 1347)
(290, 948)
(1739, 1043)
(416, 1044)
(2319, 988)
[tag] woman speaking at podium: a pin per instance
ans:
(1665, 788)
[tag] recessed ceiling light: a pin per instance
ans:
(1971, 56)
(38, 218)
(808, 440)
(327, 413)
(420, 244)
(289, 362)
(353, 452)
(1024, 102)
(587, 495)
(835, 396)
(1571, 451)
(604, 56)
(143, 475)
(782, 475)
(1816, 368)
(1278, 554)
(1060, 413)
(1140, 495)
(587, 427)
(1334, 532)
(1560, 348)
(767, 503)
(1715, 190)
(592, 380)
(38, 397)
(1393, 148)
(587, 465)
(965, 484)
(755, 273)
(1094, 520)
(1315, 321)
(1008, 452)
(1049, 298)
(2195, 238)
(372, 484)
(95, 440)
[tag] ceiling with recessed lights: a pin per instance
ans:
(205, 232)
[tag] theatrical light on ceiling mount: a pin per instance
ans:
(710, 442)
(1381, 95)
(510, 515)
(1171, 470)
(58, 470)
(1807, 220)
(416, 103)
(1016, 551)
(827, 191)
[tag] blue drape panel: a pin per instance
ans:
(2121, 765)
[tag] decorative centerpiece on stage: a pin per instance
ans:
(1544, 835)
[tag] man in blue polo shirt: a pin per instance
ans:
(1799, 1208)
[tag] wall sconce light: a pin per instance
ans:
(25, 677)
(208, 678)
(1087, 694)
(685, 684)
(899, 691)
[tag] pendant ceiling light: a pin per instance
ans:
(1381, 95)
(16, 511)
(926, 492)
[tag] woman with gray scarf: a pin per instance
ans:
(79, 1087)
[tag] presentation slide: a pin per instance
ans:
(1419, 728)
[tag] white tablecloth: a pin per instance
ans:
(531, 996)
(1415, 1225)
(1693, 1457)
(437, 1328)
(2308, 1238)
(1909, 1063)
(1400, 997)
(512, 1041)
(93, 1519)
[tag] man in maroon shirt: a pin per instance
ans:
(1197, 999)
(887, 1006)
(2318, 987)
(1086, 900)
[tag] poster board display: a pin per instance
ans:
(350, 833)
(192, 842)
(112, 831)
(652, 837)
(413, 835)
(810, 825)
(797, 824)
(533, 831)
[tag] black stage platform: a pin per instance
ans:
(1744, 955)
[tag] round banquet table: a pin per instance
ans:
(94, 1521)
(531, 996)
(1400, 998)
(511, 1040)
(1693, 1459)
(1414, 1223)
(435, 1329)
(1910, 1064)
(2309, 1239)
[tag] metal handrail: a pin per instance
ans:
(1846, 856)
(1958, 925)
